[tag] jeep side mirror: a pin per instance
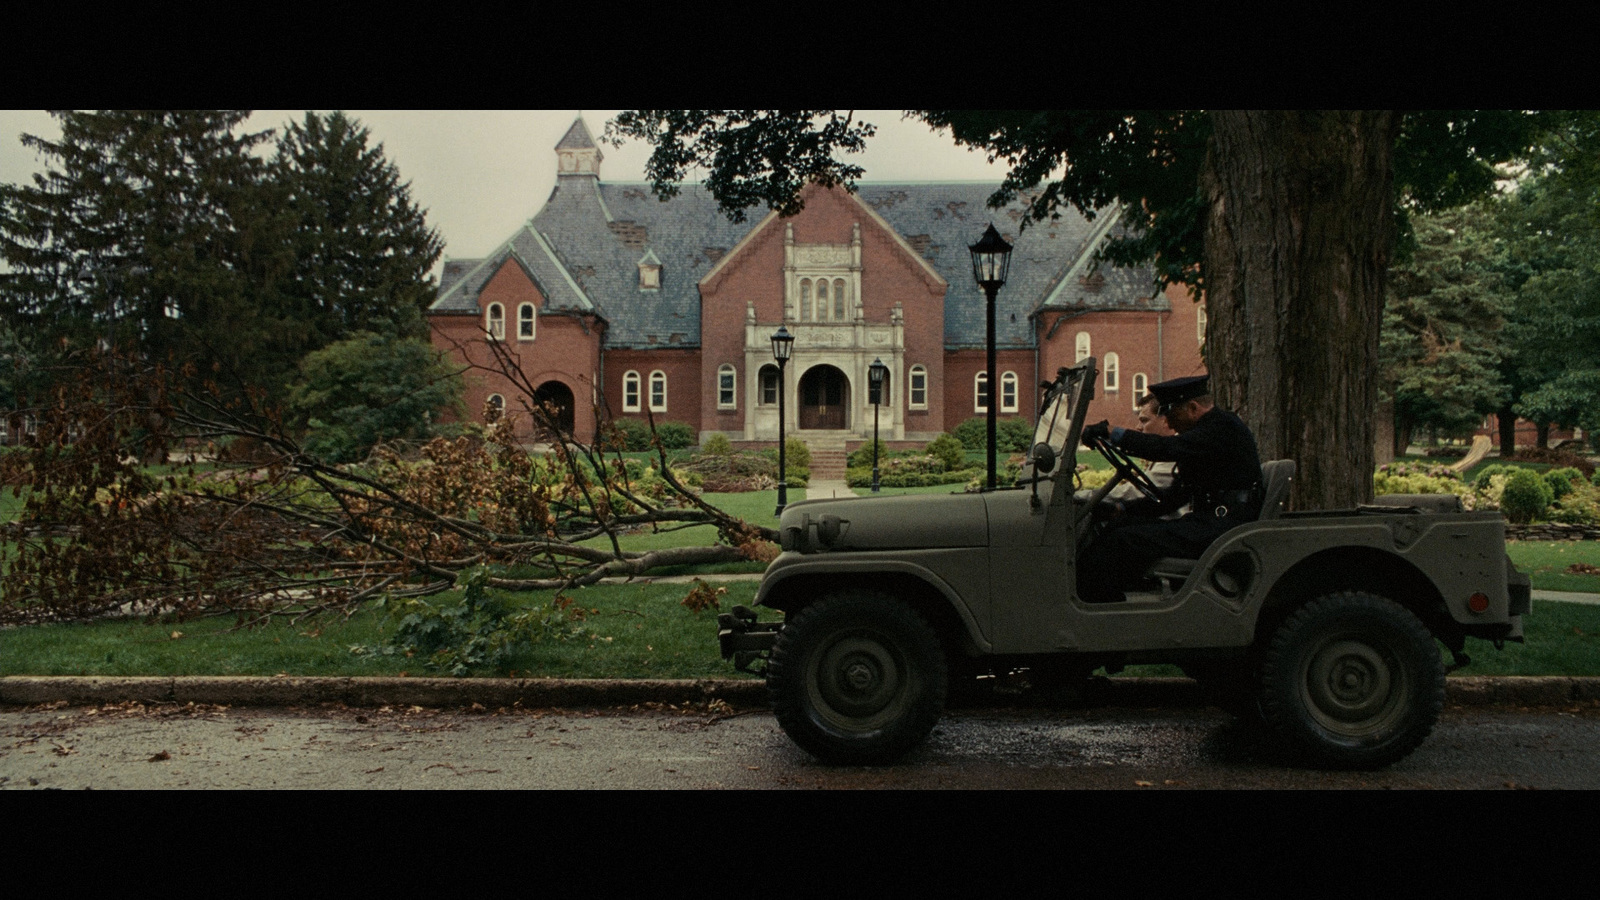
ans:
(1044, 458)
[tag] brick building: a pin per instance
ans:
(612, 303)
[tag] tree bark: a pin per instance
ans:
(1298, 241)
(1507, 421)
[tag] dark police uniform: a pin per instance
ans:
(1218, 473)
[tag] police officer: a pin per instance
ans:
(1218, 472)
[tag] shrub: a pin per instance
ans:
(1011, 435)
(796, 454)
(1526, 495)
(627, 434)
(1481, 480)
(862, 456)
(675, 435)
(1560, 480)
(717, 445)
(1403, 478)
(949, 451)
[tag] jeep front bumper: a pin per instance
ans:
(744, 640)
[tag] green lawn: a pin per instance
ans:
(1546, 563)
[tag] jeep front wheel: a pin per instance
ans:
(857, 678)
(1352, 680)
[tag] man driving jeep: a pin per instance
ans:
(1218, 471)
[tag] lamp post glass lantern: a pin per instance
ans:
(875, 376)
(782, 347)
(991, 263)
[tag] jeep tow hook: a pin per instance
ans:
(744, 640)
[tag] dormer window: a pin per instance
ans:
(649, 272)
(495, 322)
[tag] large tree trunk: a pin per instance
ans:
(1297, 249)
(1508, 430)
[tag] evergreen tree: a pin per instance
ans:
(1440, 346)
(144, 233)
(362, 250)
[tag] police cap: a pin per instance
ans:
(1171, 393)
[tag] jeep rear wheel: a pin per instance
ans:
(857, 678)
(1352, 680)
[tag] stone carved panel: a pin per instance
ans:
(822, 256)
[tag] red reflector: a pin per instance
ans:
(1478, 602)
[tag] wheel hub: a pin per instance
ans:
(859, 678)
(1350, 682)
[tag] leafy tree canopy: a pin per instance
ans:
(370, 388)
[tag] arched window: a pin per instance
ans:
(1008, 392)
(495, 325)
(658, 391)
(980, 392)
(1112, 376)
(919, 387)
(727, 393)
(839, 298)
(769, 385)
(525, 314)
(805, 300)
(1200, 324)
(1141, 387)
(497, 407)
(1083, 347)
(822, 300)
(630, 392)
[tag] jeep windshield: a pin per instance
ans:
(1061, 415)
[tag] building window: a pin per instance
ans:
(658, 391)
(1083, 347)
(496, 324)
(498, 404)
(650, 272)
(727, 396)
(1112, 381)
(525, 315)
(980, 392)
(919, 387)
(1200, 324)
(5, 430)
(1141, 387)
(822, 300)
(1008, 392)
(805, 300)
(630, 392)
(769, 385)
(838, 300)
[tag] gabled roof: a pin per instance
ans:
(576, 138)
(464, 279)
(585, 246)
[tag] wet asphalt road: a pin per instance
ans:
(130, 746)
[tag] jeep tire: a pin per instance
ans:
(1352, 681)
(857, 678)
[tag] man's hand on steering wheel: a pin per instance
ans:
(1103, 438)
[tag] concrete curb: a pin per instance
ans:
(491, 693)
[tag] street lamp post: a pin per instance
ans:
(991, 261)
(782, 346)
(875, 375)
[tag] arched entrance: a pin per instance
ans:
(558, 396)
(824, 399)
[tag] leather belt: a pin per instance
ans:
(1226, 502)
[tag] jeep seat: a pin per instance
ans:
(1276, 477)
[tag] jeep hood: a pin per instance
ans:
(908, 522)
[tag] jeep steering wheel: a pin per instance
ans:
(1127, 468)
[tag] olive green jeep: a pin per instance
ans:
(1319, 624)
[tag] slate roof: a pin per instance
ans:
(584, 247)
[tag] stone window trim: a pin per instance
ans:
(918, 396)
(768, 376)
(658, 391)
(630, 392)
(727, 387)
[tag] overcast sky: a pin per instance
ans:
(481, 173)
